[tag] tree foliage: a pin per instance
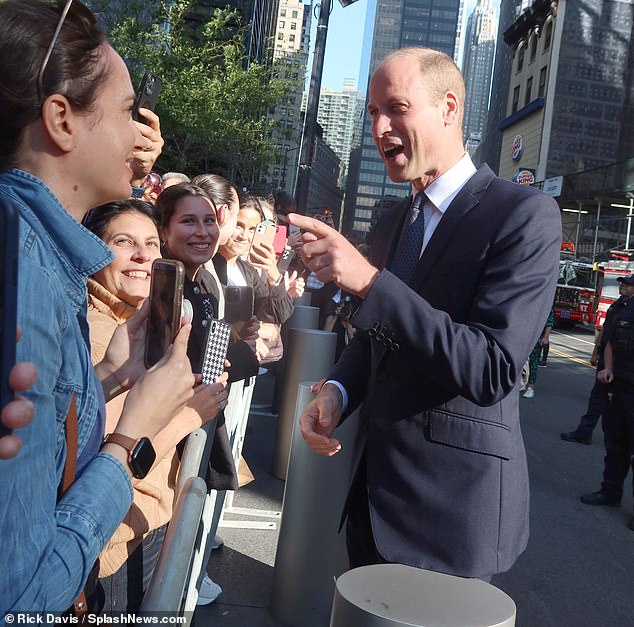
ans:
(214, 102)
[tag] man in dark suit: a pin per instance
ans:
(442, 481)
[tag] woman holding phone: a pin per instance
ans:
(272, 301)
(115, 293)
(189, 230)
(68, 143)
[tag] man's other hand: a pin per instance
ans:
(319, 420)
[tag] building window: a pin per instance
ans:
(294, 14)
(282, 24)
(516, 99)
(293, 25)
(529, 89)
(541, 90)
(291, 37)
(533, 48)
(520, 58)
(280, 36)
(548, 35)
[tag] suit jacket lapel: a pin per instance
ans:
(467, 198)
(388, 232)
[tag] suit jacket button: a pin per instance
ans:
(395, 346)
(387, 342)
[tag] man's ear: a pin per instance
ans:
(451, 109)
(60, 122)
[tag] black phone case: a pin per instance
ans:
(148, 94)
(9, 236)
(151, 356)
(239, 303)
(215, 350)
(285, 260)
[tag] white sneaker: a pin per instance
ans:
(217, 542)
(209, 591)
(529, 393)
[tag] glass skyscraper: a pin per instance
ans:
(397, 24)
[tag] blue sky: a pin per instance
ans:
(345, 42)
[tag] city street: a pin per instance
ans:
(578, 569)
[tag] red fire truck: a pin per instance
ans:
(607, 286)
(575, 293)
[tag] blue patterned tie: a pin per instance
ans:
(411, 242)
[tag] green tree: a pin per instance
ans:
(214, 105)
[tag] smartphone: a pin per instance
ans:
(239, 302)
(215, 350)
(279, 241)
(166, 303)
(264, 234)
(8, 301)
(285, 260)
(147, 95)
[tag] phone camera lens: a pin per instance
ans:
(213, 327)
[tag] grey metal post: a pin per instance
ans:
(393, 595)
(310, 356)
(303, 317)
(310, 551)
(171, 573)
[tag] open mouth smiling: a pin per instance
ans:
(394, 151)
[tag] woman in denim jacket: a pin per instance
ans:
(67, 142)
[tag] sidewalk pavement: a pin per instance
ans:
(243, 566)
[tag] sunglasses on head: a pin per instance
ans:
(64, 6)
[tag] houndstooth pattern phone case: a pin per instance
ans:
(215, 351)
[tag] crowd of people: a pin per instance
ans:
(91, 480)
(441, 313)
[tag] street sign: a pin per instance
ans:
(552, 186)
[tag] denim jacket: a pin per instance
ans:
(49, 547)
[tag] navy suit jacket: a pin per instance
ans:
(436, 364)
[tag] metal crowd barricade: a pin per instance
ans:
(185, 552)
(169, 579)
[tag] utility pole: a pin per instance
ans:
(310, 121)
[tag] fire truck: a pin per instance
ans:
(607, 286)
(575, 293)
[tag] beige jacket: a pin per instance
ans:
(154, 495)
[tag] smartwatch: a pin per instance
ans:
(141, 453)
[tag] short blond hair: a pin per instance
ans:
(438, 71)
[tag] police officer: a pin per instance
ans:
(618, 423)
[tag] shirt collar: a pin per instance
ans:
(445, 188)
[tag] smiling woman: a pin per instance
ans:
(68, 143)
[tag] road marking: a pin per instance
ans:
(571, 358)
(573, 337)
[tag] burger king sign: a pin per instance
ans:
(516, 150)
(525, 176)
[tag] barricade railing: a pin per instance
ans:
(173, 568)
(185, 552)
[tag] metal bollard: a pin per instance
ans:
(310, 356)
(394, 595)
(310, 551)
(304, 299)
(302, 318)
